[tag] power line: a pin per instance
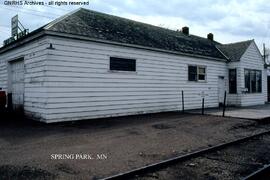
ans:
(4, 32)
(33, 10)
(48, 17)
(6, 26)
(66, 10)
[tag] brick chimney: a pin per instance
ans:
(185, 30)
(210, 36)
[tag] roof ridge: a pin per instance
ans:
(49, 25)
(166, 29)
(174, 32)
(237, 42)
(235, 50)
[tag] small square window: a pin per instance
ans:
(196, 73)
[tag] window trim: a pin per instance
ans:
(198, 73)
(250, 84)
(122, 71)
(198, 66)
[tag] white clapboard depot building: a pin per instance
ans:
(88, 65)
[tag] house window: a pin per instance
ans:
(122, 64)
(201, 73)
(196, 73)
(253, 81)
(232, 81)
(192, 73)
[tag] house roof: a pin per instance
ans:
(234, 51)
(100, 26)
(103, 27)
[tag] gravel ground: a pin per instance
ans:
(27, 148)
(233, 162)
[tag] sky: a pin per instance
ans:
(229, 20)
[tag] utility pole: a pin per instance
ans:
(264, 56)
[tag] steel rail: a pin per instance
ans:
(174, 160)
(258, 174)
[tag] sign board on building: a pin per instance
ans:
(14, 26)
(16, 37)
(203, 94)
(16, 31)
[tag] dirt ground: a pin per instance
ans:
(112, 145)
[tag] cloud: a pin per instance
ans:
(225, 18)
(191, 10)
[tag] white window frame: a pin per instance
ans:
(198, 73)
(198, 67)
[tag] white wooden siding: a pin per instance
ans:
(73, 81)
(34, 55)
(79, 84)
(252, 59)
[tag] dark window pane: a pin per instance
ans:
(122, 64)
(201, 70)
(201, 77)
(258, 81)
(253, 81)
(232, 81)
(192, 73)
(247, 80)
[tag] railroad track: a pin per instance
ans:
(259, 174)
(142, 171)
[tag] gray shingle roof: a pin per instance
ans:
(102, 26)
(234, 51)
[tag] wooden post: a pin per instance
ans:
(183, 102)
(202, 106)
(10, 105)
(224, 104)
